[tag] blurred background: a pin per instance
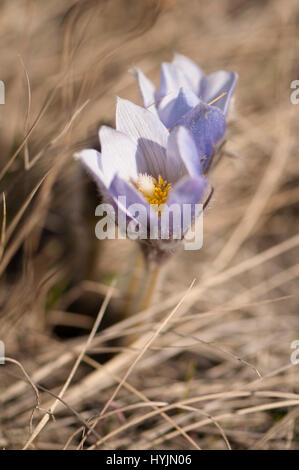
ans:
(221, 368)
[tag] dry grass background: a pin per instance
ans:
(212, 368)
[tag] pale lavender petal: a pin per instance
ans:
(91, 160)
(119, 187)
(172, 78)
(190, 69)
(217, 83)
(182, 155)
(207, 125)
(118, 154)
(171, 109)
(147, 130)
(147, 89)
(187, 191)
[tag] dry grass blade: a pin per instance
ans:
(141, 353)
(3, 226)
(45, 419)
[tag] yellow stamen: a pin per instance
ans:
(218, 98)
(159, 193)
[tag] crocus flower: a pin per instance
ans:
(183, 89)
(185, 74)
(151, 166)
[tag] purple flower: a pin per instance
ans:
(185, 82)
(189, 98)
(149, 165)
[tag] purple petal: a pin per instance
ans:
(207, 125)
(191, 70)
(119, 187)
(182, 155)
(189, 191)
(216, 84)
(171, 109)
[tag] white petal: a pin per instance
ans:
(147, 130)
(118, 154)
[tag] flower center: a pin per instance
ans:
(154, 190)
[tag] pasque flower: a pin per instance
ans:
(183, 89)
(152, 166)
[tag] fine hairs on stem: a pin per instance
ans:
(143, 287)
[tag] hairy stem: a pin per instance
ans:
(133, 285)
(149, 287)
